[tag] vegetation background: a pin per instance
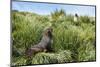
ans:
(73, 41)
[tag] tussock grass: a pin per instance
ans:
(71, 41)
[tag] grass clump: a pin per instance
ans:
(71, 41)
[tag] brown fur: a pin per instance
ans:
(44, 45)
